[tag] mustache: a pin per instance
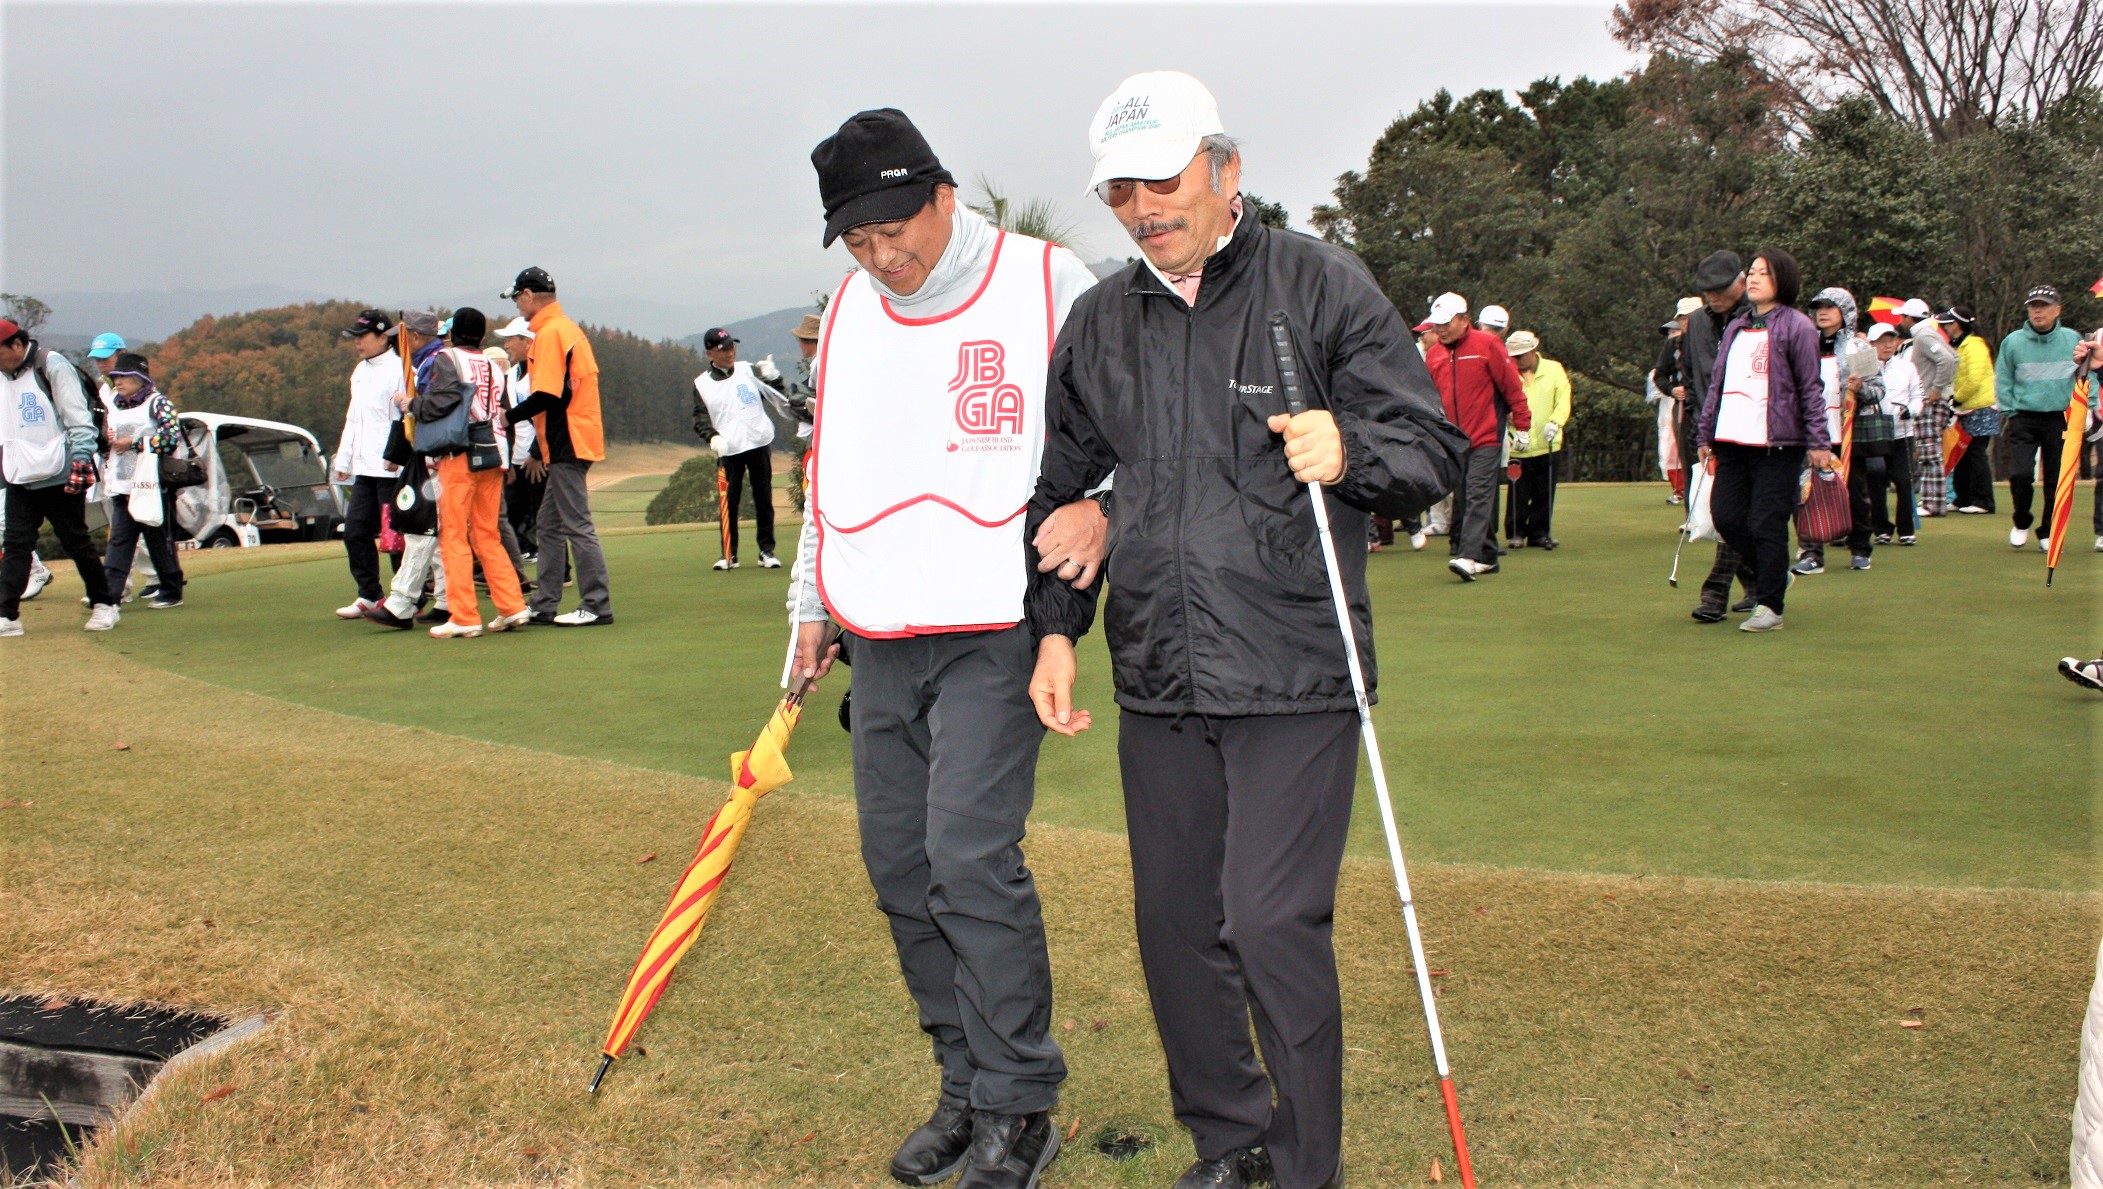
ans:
(1149, 227)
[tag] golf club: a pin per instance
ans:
(1296, 404)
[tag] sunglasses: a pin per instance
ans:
(1118, 191)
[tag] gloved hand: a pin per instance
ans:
(766, 370)
(715, 445)
(1552, 432)
(81, 476)
(1516, 439)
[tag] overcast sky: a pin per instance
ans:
(651, 153)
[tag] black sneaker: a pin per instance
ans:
(1009, 1151)
(1237, 1169)
(151, 592)
(1883, 538)
(1709, 611)
(379, 614)
(543, 618)
(936, 1149)
(162, 600)
(435, 615)
(1745, 604)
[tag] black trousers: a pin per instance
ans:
(1533, 499)
(2034, 440)
(361, 528)
(27, 510)
(1755, 495)
(1897, 479)
(125, 534)
(1865, 469)
(756, 467)
(945, 770)
(522, 509)
(1974, 475)
(1473, 533)
(1237, 830)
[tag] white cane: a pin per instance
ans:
(1296, 404)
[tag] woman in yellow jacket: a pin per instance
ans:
(1548, 399)
(1976, 412)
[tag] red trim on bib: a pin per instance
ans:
(902, 320)
(930, 497)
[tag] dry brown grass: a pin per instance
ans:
(441, 927)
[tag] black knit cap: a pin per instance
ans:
(131, 363)
(469, 326)
(876, 169)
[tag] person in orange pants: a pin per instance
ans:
(470, 502)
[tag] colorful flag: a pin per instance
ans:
(2097, 288)
(1885, 309)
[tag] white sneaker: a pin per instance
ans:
(2099, 544)
(724, 563)
(504, 623)
(102, 618)
(1466, 567)
(2018, 537)
(456, 631)
(39, 578)
(10, 627)
(1763, 619)
(1972, 510)
(580, 618)
(768, 561)
(356, 609)
(2044, 544)
(1417, 539)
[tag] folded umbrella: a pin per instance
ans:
(2069, 474)
(753, 774)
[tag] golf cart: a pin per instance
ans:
(264, 481)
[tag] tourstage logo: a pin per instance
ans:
(987, 405)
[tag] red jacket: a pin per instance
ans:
(1475, 378)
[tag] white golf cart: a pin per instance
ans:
(264, 481)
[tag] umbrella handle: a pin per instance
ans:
(803, 687)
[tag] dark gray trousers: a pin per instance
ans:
(1475, 505)
(1237, 830)
(565, 520)
(945, 770)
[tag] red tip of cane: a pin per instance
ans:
(1460, 1137)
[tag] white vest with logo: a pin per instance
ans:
(929, 433)
(120, 466)
(1741, 416)
(32, 442)
(735, 405)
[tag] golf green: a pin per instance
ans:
(1906, 727)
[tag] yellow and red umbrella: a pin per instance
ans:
(723, 505)
(2069, 474)
(753, 774)
(1885, 310)
(1955, 441)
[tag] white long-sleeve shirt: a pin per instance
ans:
(374, 384)
(1902, 394)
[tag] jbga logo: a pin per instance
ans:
(986, 402)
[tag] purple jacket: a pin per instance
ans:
(1796, 391)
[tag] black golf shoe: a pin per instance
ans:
(1009, 1151)
(935, 1151)
(379, 614)
(1708, 611)
(1745, 604)
(1237, 1169)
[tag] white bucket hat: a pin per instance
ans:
(1151, 126)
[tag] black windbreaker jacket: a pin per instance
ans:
(1219, 603)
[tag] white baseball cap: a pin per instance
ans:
(1151, 126)
(1444, 308)
(1915, 308)
(516, 328)
(1882, 330)
(1495, 317)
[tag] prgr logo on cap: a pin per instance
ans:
(893, 173)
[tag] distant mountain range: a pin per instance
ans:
(148, 315)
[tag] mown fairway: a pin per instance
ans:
(1683, 884)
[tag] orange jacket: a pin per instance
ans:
(561, 365)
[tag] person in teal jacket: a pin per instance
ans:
(2033, 383)
(1547, 388)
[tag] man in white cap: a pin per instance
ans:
(930, 422)
(1936, 361)
(1238, 741)
(1482, 394)
(1495, 321)
(528, 475)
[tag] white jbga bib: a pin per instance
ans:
(32, 443)
(929, 432)
(1741, 416)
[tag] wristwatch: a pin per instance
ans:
(1102, 500)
